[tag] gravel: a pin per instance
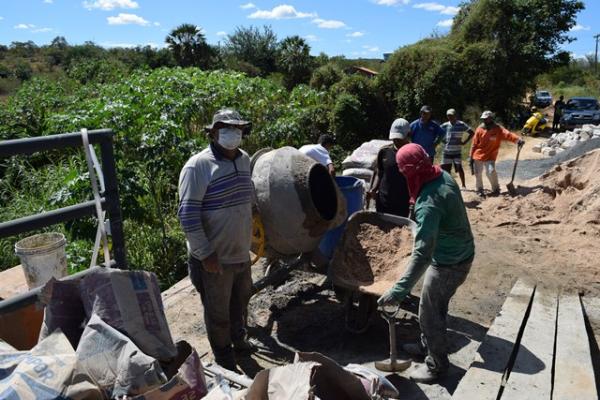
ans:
(529, 169)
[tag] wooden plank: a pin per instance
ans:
(485, 376)
(531, 375)
(573, 371)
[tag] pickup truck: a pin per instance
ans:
(579, 111)
(542, 98)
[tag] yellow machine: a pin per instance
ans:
(536, 124)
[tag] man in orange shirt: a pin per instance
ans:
(484, 151)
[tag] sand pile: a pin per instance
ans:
(567, 193)
(372, 257)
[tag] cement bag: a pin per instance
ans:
(360, 173)
(188, 382)
(331, 381)
(130, 302)
(63, 309)
(115, 363)
(365, 156)
(48, 371)
(376, 385)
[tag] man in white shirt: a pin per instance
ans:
(320, 152)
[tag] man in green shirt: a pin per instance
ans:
(443, 251)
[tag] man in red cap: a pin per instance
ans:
(443, 251)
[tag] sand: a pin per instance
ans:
(372, 257)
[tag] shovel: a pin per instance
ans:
(392, 364)
(510, 186)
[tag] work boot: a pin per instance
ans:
(495, 193)
(423, 374)
(481, 193)
(244, 345)
(225, 358)
(414, 349)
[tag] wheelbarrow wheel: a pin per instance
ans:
(360, 307)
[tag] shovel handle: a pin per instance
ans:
(515, 166)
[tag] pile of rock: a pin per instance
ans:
(558, 142)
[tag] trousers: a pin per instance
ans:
(490, 171)
(439, 286)
(225, 298)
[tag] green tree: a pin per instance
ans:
(57, 50)
(490, 59)
(294, 61)
(23, 71)
(326, 76)
(252, 46)
(189, 47)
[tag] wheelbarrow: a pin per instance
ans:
(360, 294)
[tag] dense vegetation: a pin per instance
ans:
(157, 101)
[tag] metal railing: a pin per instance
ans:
(110, 197)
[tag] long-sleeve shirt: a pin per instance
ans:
(427, 135)
(215, 206)
(486, 142)
(443, 236)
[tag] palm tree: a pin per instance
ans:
(295, 60)
(189, 47)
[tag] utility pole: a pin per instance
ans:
(596, 54)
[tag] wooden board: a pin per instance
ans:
(484, 378)
(531, 375)
(574, 373)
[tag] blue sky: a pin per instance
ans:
(354, 28)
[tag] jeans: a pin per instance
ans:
(225, 299)
(490, 171)
(439, 286)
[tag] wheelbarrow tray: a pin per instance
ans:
(376, 285)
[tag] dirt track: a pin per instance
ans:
(548, 234)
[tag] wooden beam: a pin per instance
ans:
(484, 378)
(573, 371)
(531, 375)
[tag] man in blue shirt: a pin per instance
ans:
(426, 133)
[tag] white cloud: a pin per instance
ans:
(283, 11)
(221, 33)
(580, 28)
(24, 26)
(42, 30)
(247, 6)
(108, 5)
(356, 34)
(391, 2)
(328, 23)
(372, 49)
(127, 19)
(48, 1)
(311, 38)
(1, 18)
(446, 23)
(156, 23)
(436, 7)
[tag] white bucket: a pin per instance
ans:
(42, 257)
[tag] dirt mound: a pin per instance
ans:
(567, 193)
(372, 257)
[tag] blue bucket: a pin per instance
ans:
(352, 189)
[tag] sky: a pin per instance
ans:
(353, 28)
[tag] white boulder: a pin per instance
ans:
(537, 148)
(548, 151)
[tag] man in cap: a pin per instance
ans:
(320, 152)
(443, 250)
(454, 139)
(425, 132)
(559, 106)
(484, 151)
(215, 211)
(389, 186)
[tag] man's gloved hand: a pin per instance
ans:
(521, 143)
(472, 165)
(392, 297)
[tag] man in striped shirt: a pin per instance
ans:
(215, 211)
(454, 140)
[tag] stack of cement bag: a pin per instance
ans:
(559, 142)
(362, 162)
(103, 337)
